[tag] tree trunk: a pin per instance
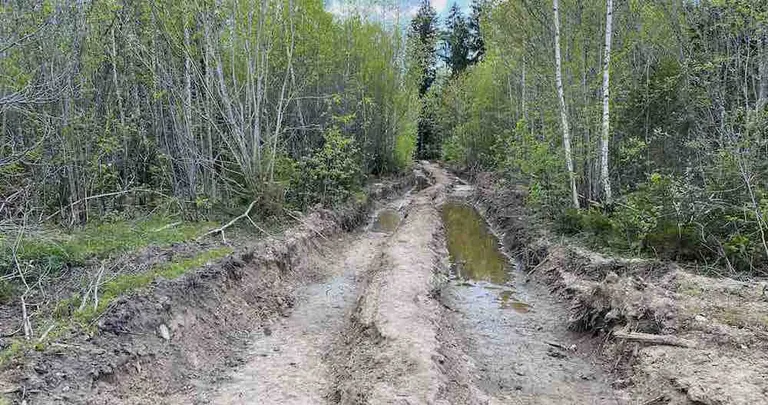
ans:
(563, 111)
(762, 97)
(606, 104)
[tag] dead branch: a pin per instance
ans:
(538, 266)
(104, 195)
(665, 340)
(45, 334)
(162, 228)
(27, 325)
(234, 220)
(560, 346)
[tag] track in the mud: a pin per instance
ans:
(490, 346)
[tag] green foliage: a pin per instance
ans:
(53, 249)
(330, 175)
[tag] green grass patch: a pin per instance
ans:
(126, 283)
(54, 248)
(16, 348)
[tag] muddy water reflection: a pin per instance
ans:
(473, 249)
(386, 221)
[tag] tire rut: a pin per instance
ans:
(288, 360)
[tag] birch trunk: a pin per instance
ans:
(563, 112)
(762, 97)
(606, 104)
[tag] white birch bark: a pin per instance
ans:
(563, 111)
(606, 104)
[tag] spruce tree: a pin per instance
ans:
(476, 44)
(456, 41)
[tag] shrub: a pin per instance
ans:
(331, 174)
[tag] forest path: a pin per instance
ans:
(386, 326)
(288, 361)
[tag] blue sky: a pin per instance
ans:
(387, 8)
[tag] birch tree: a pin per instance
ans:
(563, 110)
(606, 104)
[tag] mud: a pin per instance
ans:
(724, 321)
(432, 302)
(513, 330)
(175, 338)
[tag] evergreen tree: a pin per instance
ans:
(476, 44)
(456, 41)
(422, 38)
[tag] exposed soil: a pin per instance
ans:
(421, 305)
(703, 340)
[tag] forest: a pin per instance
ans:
(636, 126)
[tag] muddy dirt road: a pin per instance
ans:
(394, 322)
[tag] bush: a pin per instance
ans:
(331, 174)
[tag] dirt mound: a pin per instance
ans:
(677, 337)
(156, 343)
(391, 353)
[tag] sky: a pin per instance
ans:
(407, 8)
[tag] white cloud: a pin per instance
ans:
(439, 5)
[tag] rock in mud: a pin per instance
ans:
(164, 332)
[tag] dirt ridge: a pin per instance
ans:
(726, 320)
(391, 352)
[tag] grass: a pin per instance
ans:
(68, 316)
(55, 248)
(127, 283)
(11, 352)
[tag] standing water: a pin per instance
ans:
(507, 323)
(473, 249)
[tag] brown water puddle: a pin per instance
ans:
(473, 248)
(387, 221)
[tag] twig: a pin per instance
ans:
(537, 267)
(256, 226)
(656, 400)
(25, 319)
(557, 345)
(306, 224)
(45, 334)
(96, 288)
(162, 228)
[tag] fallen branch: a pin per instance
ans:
(27, 325)
(537, 267)
(162, 228)
(665, 340)
(234, 220)
(45, 334)
(560, 346)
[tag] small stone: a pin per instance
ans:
(164, 332)
(267, 331)
(700, 318)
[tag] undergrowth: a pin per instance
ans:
(52, 249)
